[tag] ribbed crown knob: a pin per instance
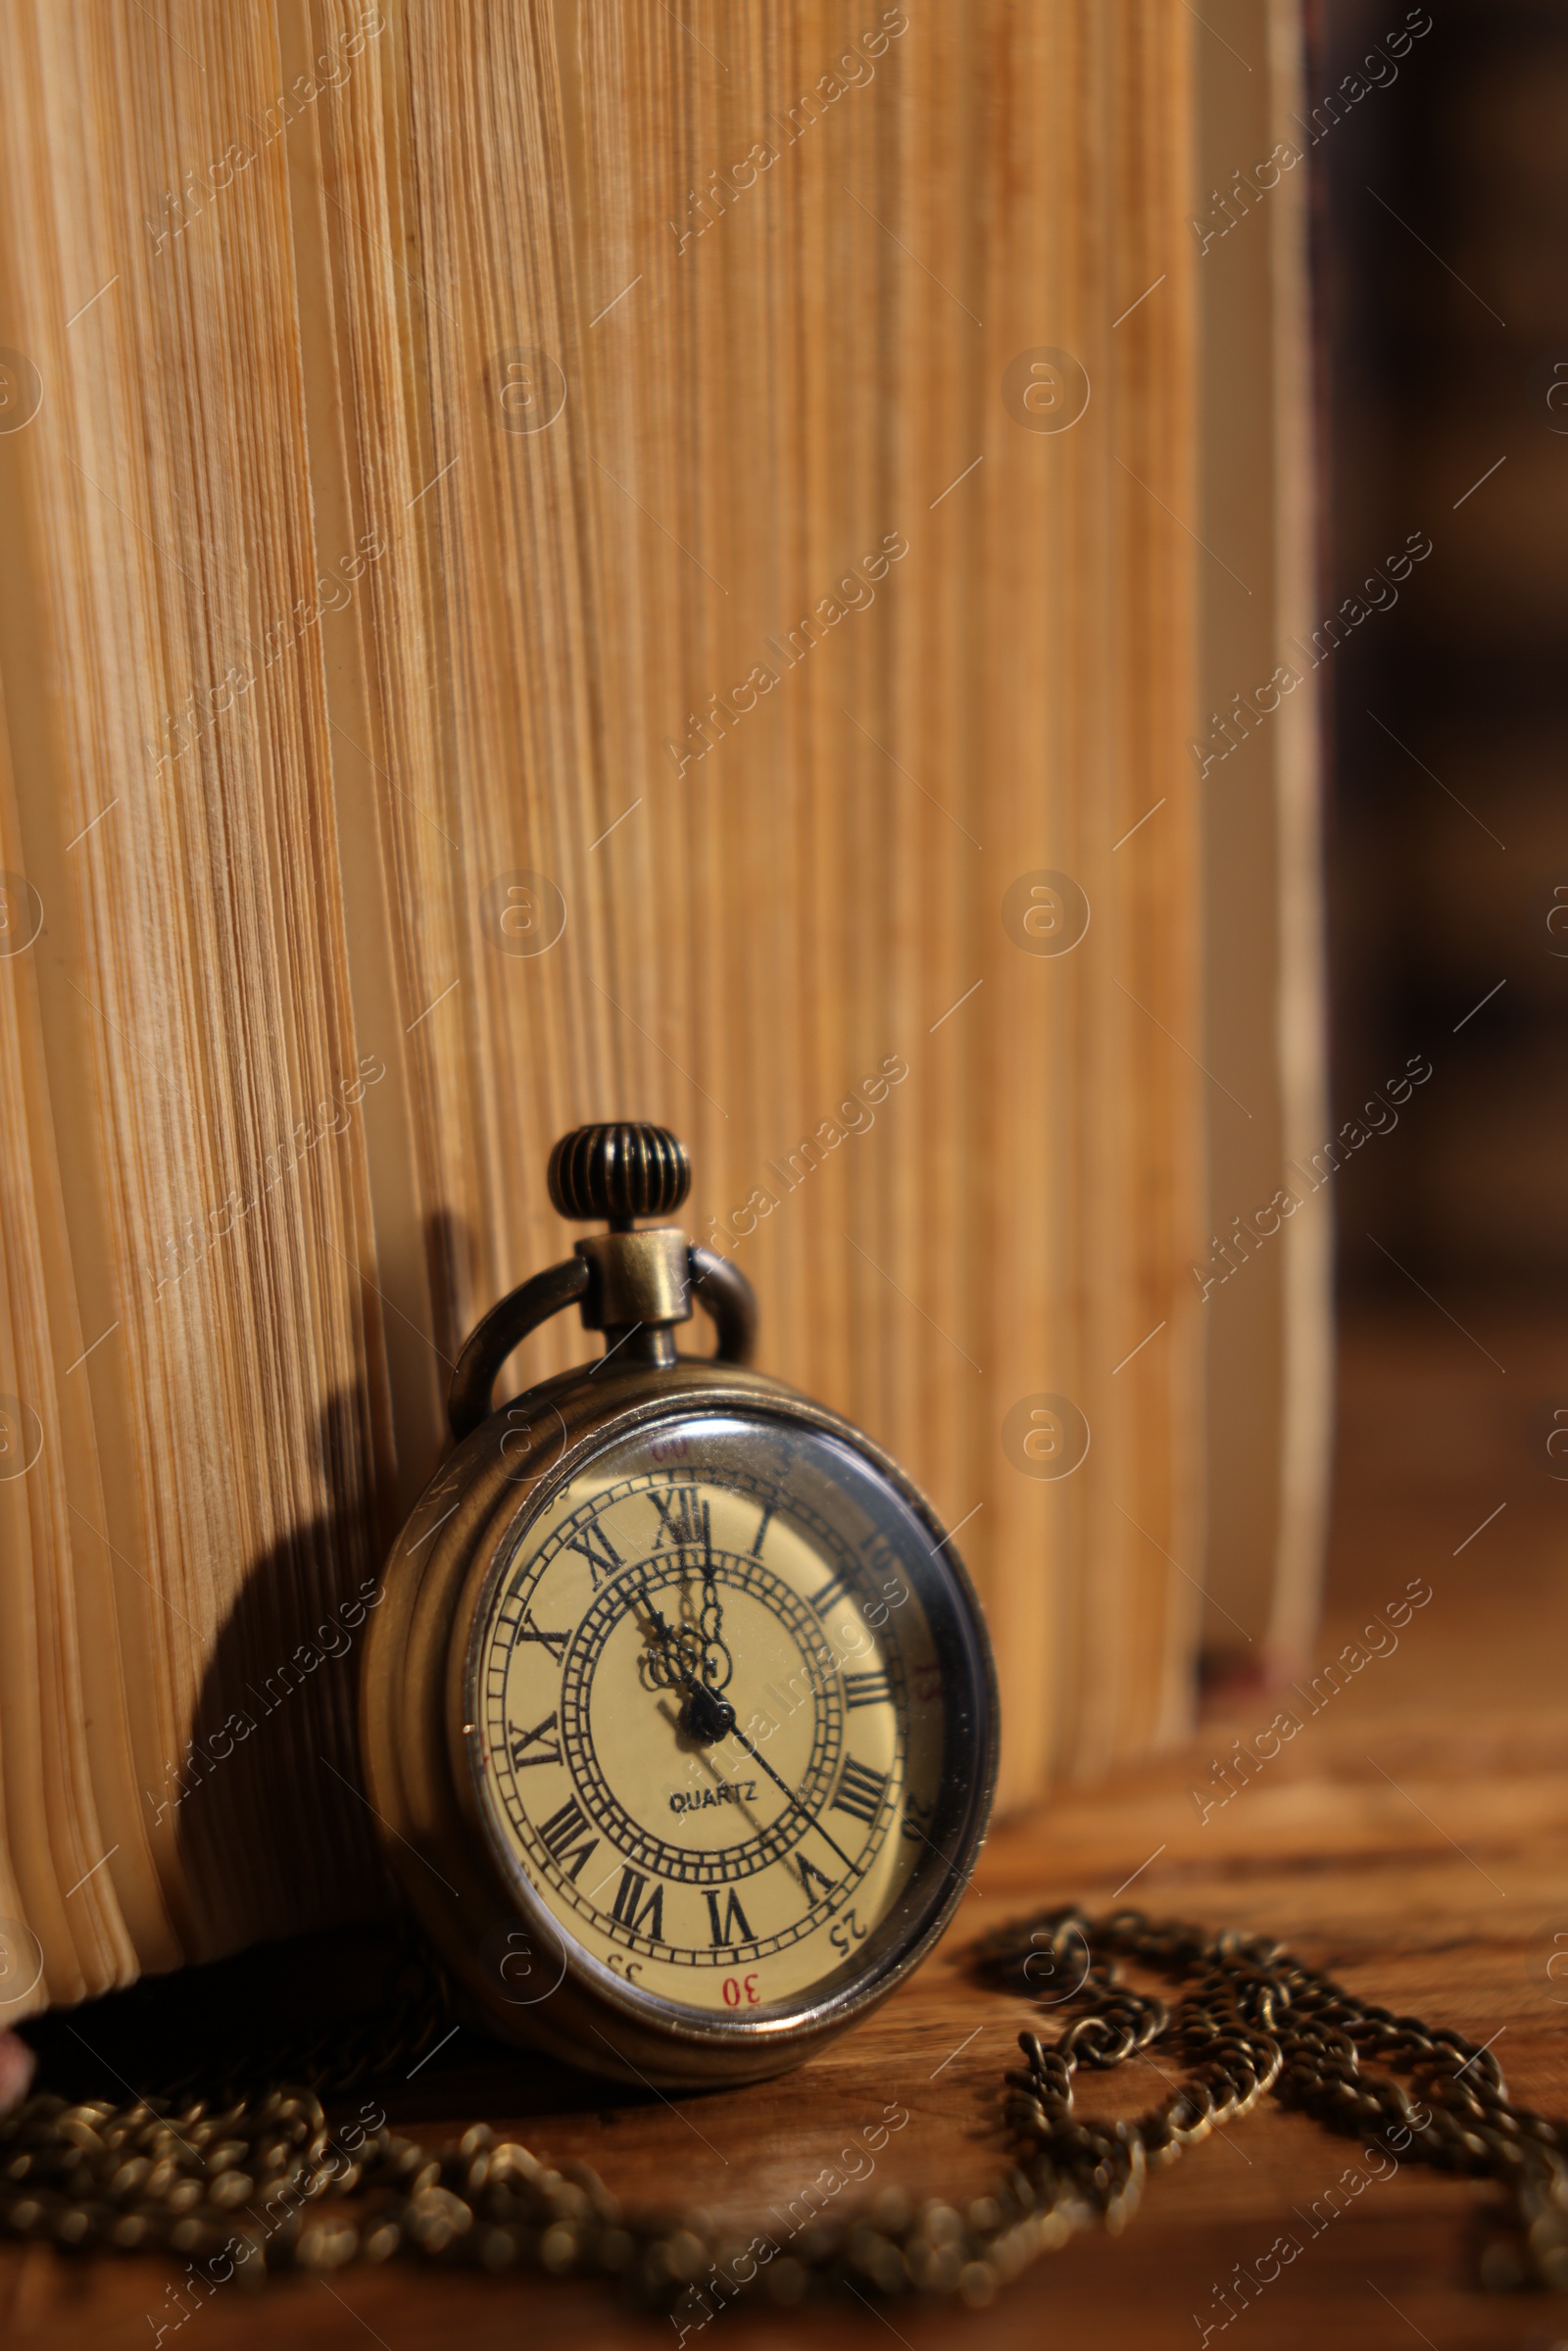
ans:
(620, 1172)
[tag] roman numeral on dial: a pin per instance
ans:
(831, 1592)
(639, 1916)
(519, 1740)
(734, 1926)
(596, 1548)
(527, 1630)
(808, 1871)
(557, 1833)
(860, 1792)
(868, 1689)
(684, 1518)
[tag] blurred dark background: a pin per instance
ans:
(1442, 236)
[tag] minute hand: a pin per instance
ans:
(725, 1724)
(795, 1800)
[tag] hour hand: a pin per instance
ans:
(706, 1716)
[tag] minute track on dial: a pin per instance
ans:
(605, 1735)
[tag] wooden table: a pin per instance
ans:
(1412, 1839)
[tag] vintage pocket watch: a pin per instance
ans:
(678, 1710)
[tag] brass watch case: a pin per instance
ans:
(415, 1730)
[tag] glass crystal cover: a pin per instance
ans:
(716, 1689)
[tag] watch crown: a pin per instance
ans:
(620, 1172)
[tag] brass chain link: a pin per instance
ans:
(261, 2182)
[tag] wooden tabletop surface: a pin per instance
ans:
(1412, 1839)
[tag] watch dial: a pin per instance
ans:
(722, 1712)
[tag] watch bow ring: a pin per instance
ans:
(678, 1711)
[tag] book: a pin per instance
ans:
(613, 563)
(1264, 1271)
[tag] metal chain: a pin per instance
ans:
(263, 2182)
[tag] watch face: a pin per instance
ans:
(725, 1714)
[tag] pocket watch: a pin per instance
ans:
(678, 1711)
